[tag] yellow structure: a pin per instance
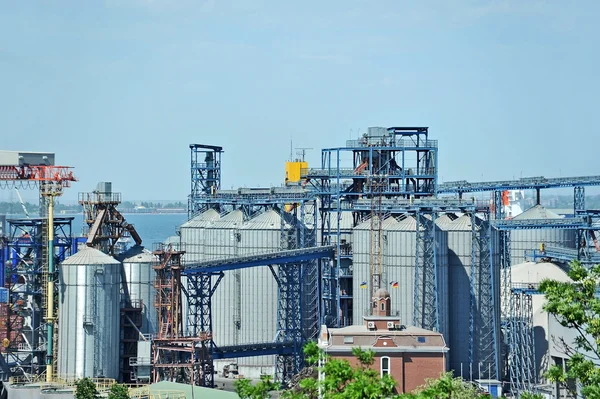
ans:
(293, 172)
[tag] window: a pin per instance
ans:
(348, 340)
(382, 306)
(385, 365)
(421, 340)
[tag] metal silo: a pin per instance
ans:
(89, 315)
(222, 241)
(522, 240)
(460, 244)
(259, 291)
(192, 235)
(137, 264)
(399, 253)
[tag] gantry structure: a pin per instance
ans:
(36, 267)
(296, 274)
(175, 356)
(205, 168)
(517, 322)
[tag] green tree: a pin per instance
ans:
(576, 305)
(449, 387)
(262, 390)
(118, 391)
(86, 389)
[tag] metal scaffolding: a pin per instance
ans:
(205, 168)
(521, 356)
(403, 161)
(27, 274)
(204, 278)
(176, 357)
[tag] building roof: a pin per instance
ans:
(199, 392)
(203, 219)
(90, 256)
(363, 330)
(136, 254)
(534, 273)
(537, 212)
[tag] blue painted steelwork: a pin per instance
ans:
(205, 167)
(525, 183)
(204, 277)
(257, 349)
(26, 246)
(273, 258)
(426, 304)
(521, 362)
(404, 159)
(561, 254)
(533, 224)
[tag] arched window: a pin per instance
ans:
(385, 365)
(382, 306)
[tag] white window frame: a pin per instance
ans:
(388, 370)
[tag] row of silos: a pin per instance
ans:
(244, 305)
(90, 287)
(398, 250)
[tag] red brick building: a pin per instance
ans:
(409, 354)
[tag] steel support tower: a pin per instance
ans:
(205, 167)
(403, 160)
(176, 357)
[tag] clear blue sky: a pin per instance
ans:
(119, 88)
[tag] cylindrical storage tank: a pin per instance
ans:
(262, 234)
(361, 267)
(399, 250)
(137, 264)
(89, 315)
(222, 241)
(522, 240)
(192, 241)
(530, 273)
(192, 235)
(460, 247)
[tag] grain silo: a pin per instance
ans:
(527, 274)
(192, 235)
(460, 266)
(137, 264)
(398, 253)
(222, 241)
(522, 240)
(89, 314)
(361, 269)
(258, 289)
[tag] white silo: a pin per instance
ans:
(137, 264)
(258, 290)
(522, 240)
(89, 314)
(399, 249)
(192, 235)
(530, 273)
(222, 241)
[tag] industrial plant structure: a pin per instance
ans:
(255, 272)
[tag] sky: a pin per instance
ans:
(118, 89)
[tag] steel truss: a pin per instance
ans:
(292, 331)
(426, 303)
(205, 168)
(521, 356)
(176, 357)
(26, 256)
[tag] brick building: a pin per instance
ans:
(409, 354)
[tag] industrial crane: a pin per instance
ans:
(29, 169)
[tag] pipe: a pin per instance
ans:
(50, 291)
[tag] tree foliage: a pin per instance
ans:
(262, 390)
(343, 381)
(118, 391)
(577, 306)
(86, 389)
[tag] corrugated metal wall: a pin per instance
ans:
(399, 246)
(258, 289)
(89, 314)
(522, 240)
